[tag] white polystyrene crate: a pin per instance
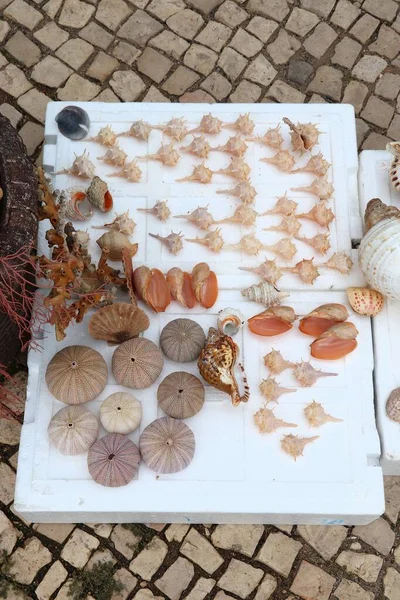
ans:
(374, 182)
(237, 475)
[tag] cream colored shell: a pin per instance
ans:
(120, 413)
(73, 430)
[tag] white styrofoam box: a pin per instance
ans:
(374, 182)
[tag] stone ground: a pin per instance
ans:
(203, 51)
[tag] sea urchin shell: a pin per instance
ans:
(137, 363)
(120, 413)
(182, 340)
(113, 460)
(181, 395)
(73, 430)
(167, 445)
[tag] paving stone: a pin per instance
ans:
(106, 96)
(261, 71)
(13, 82)
(126, 578)
(53, 579)
(23, 49)
(79, 547)
(301, 21)
(312, 583)
(170, 43)
(366, 566)
(4, 29)
(3, 61)
(319, 8)
(102, 66)
(397, 555)
(396, 24)
(197, 96)
(394, 129)
(392, 497)
(388, 86)
(200, 551)
(357, 545)
(139, 3)
(146, 595)
(320, 40)
(375, 141)
(246, 92)
(364, 28)
(126, 52)
(266, 588)
(200, 59)
(369, 68)
(127, 85)
(23, 14)
(176, 579)
(262, 28)
(51, 35)
(9, 536)
(279, 552)
(150, 559)
(377, 534)
(163, 9)
(102, 529)
(299, 71)
(222, 596)
(232, 63)
(391, 584)
(379, 113)
(35, 104)
(27, 560)
(345, 14)
(355, 94)
(348, 590)
(240, 578)
(327, 81)
(94, 34)
(180, 81)
(52, 7)
(285, 528)
(387, 43)
(245, 43)
(346, 52)
(205, 6)
(111, 13)
(214, 35)
(14, 117)
(140, 28)
(125, 541)
(283, 48)
(75, 52)
(201, 589)
(230, 14)
(186, 23)
(75, 14)
(154, 95)
(217, 86)
(99, 558)
(10, 431)
(275, 9)
(154, 65)
(282, 92)
(384, 9)
(50, 72)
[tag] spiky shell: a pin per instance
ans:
(320, 242)
(283, 160)
(320, 214)
(272, 391)
(213, 240)
(243, 190)
(288, 225)
(199, 147)
(320, 187)
(237, 169)
(365, 301)
(264, 293)
(306, 375)
(284, 206)
(339, 261)
(248, 244)
(305, 269)
(122, 223)
(243, 124)
(267, 422)
(316, 415)
(82, 166)
(76, 374)
(114, 156)
(105, 136)
(271, 138)
(316, 165)
(393, 405)
(99, 196)
(284, 248)
(201, 217)
(167, 445)
(175, 129)
(267, 270)
(181, 395)
(173, 241)
(160, 210)
(137, 363)
(304, 135)
(294, 445)
(182, 340)
(210, 125)
(73, 430)
(235, 146)
(275, 362)
(244, 215)
(201, 174)
(230, 321)
(166, 154)
(120, 413)
(118, 323)
(131, 171)
(113, 460)
(139, 130)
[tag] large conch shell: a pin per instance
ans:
(264, 293)
(379, 251)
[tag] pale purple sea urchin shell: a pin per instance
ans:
(167, 445)
(73, 430)
(113, 460)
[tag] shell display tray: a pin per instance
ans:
(237, 475)
(375, 182)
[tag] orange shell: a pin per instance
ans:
(338, 341)
(205, 285)
(273, 321)
(322, 318)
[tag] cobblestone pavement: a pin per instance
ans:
(203, 51)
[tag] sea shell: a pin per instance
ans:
(316, 165)
(237, 169)
(336, 342)
(165, 154)
(118, 323)
(105, 136)
(201, 217)
(306, 375)
(122, 223)
(248, 244)
(137, 363)
(73, 430)
(81, 167)
(275, 362)
(217, 363)
(151, 286)
(235, 146)
(316, 415)
(267, 422)
(199, 147)
(113, 460)
(160, 210)
(289, 225)
(182, 340)
(76, 374)
(139, 130)
(120, 413)
(243, 124)
(167, 445)
(272, 391)
(267, 270)
(305, 269)
(283, 206)
(377, 211)
(180, 285)
(73, 122)
(99, 196)
(200, 174)
(271, 138)
(393, 405)
(243, 190)
(320, 242)
(264, 293)
(130, 171)
(205, 285)
(173, 241)
(304, 135)
(175, 129)
(273, 321)
(208, 124)
(284, 248)
(213, 240)
(114, 156)
(294, 445)
(244, 215)
(320, 187)
(229, 321)
(283, 160)
(339, 261)
(320, 214)
(115, 242)
(127, 255)
(181, 395)
(365, 301)
(71, 198)
(322, 318)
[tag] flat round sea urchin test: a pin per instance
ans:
(137, 363)
(113, 460)
(73, 429)
(167, 445)
(120, 413)
(181, 395)
(182, 340)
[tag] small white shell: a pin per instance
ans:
(230, 321)
(120, 413)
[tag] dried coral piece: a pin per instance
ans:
(114, 156)
(205, 285)
(320, 187)
(181, 395)
(165, 154)
(115, 242)
(139, 130)
(160, 210)
(284, 248)
(199, 147)
(122, 223)
(151, 286)
(304, 135)
(243, 124)
(237, 169)
(99, 195)
(201, 217)
(201, 174)
(272, 391)
(175, 129)
(167, 445)
(306, 375)
(339, 261)
(113, 460)
(283, 206)
(289, 225)
(213, 240)
(235, 146)
(264, 293)
(267, 422)
(120, 413)
(305, 269)
(105, 136)
(243, 215)
(275, 362)
(131, 171)
(182, 340)
(248, 244)
(267, 270)
(229, 321)
(73, 430)
(273, 321)
(393, 405)
(294, 445)
(173, 241)
(208, 124)
(322, 318)
(316, 165)
(365, 301)
(81, 167)
(336, 342)
(137, 363)
(320, 214)
(271, 138)
(320, 242)
(118, 323)
(243, 190)
(283, 160)
(316, 415)
(180, 286)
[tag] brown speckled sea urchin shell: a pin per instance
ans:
(76, 374)
(393, 405)
(167, 445)
(118, 323)
(181, 395)
(137, 363)
(113, 460)
(182, 340)
(73, 429)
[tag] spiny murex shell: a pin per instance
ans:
(113, 460)
(118, 323)
(167, 445)
(264, 293)
(137, 363)
(76, 374)
(181, 395)
(73, 430)
(393, 405)
(120, 413)
(182, 340)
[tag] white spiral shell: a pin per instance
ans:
(120, 413)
